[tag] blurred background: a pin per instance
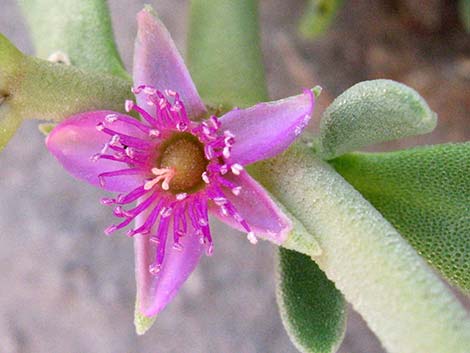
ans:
(65, 287)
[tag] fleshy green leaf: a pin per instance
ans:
(224, 52)
(401, 298)
(318, 16)
(40, 89)
(312, 309)
(425, 193)
(372, 112)
(79, 30)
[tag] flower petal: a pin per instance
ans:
(158, 63)
(267, 129)
(154, 292)
(75, 140)
(257, 208)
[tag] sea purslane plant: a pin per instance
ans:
(368, 228)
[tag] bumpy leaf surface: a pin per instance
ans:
(312, 309)
(425, 193)
(371, 112)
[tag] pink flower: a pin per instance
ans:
(177, 168)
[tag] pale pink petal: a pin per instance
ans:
(76, 140)
(154, 292)
(257, 208)
(158, 63)
(267, 129)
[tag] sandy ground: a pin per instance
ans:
(67, 288)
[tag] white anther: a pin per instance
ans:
(182, 126)
(114, 140)
(95, 157)
(111, 118)
(149, 90)
(162, 103)
(104, 149)
(229, 141)
(155, 269)
(209, 151)
(223, 169)
(215, 122)
(166, 212)
(205, 177)
(130, 152)
(182, 196)
(236, 168)
(219, 201)
(128, 105)
(154, 133)
(252, 238)
(226, 152)
(236, 190)
(224, 211)
(206, 130)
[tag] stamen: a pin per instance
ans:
(111, 118)
(162, 233)
(149, 222)
(123, 138)
(131, 196)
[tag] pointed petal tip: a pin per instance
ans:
(155, 292)
(148, 13)
(75, 140)
(142, 322)
(258, 209)
(158, 63)
(267, 129)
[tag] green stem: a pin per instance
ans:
(79, 29)
(39, 89)
(224, 52)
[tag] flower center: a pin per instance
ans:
(184, 155)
